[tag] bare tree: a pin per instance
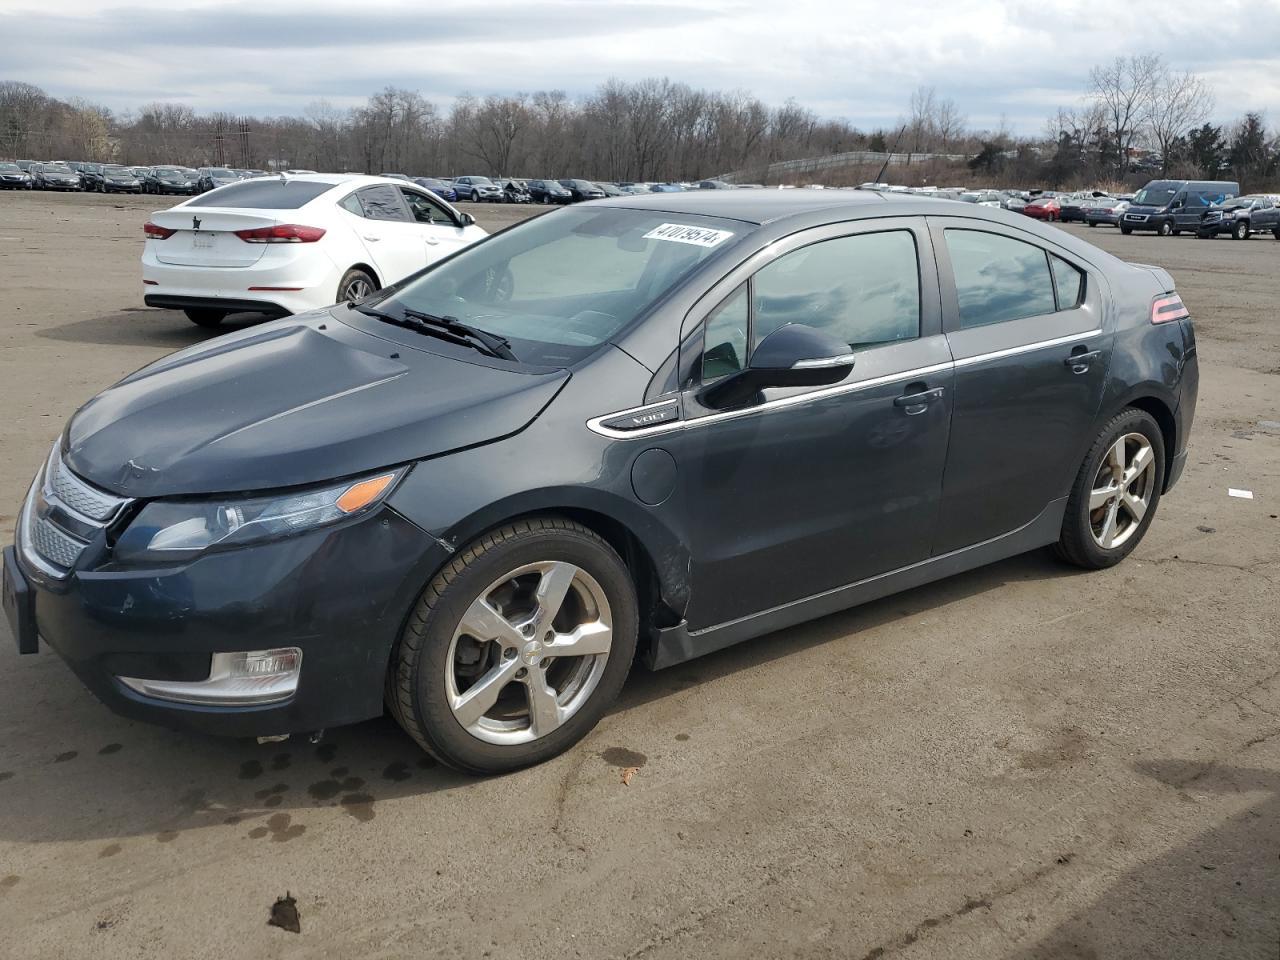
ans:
(1178, 103)
(1123, 89)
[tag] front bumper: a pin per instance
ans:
(339, 594)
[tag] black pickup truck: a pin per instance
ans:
(1241, 217)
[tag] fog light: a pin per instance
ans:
(246, 679)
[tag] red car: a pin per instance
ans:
(1045, 208)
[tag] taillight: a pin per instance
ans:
(157, 233)
(1168, 307)
(281, 233)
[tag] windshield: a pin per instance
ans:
(56, 168)
(10, 168)
(1155, 195)
(220, 172)
(168, 172)
(560, 285)
(480, 181)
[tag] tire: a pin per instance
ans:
(435, 653)
(205, 317)
(1092, 223)
(1126, 230)
(355, 285)
(1240, 231)
(1276, 233)
(1097, 532)
(1165, 229)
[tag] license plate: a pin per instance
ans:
(19, 604)
(202, 241)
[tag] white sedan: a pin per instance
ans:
(286, 244)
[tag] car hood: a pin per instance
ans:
(296, 401)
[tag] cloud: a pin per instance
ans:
(1011, 61)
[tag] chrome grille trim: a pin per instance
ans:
(42, 542)
(73, 493)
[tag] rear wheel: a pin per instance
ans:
(516, 648)
(204, 316)
(355, 285)
(1116, 492)
(1241, 230)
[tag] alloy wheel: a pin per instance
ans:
(528, 653)
(357, 289)
(1122, 490)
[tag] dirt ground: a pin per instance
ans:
(1023, 762)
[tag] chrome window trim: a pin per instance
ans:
(596, 424)
(1025, 347)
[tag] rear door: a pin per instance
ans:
(1024, 320)
(438, 226)
(388, 231)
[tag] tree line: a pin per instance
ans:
(1138, 117)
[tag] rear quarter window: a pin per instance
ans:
(264, 194)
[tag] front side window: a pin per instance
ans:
(423, 208)
(863, 289)
(724, 349)
(999, 278)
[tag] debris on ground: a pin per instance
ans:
(284, 914)
(627, 774)
(1242, 494)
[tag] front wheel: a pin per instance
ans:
(205, 316)
(1116, 492)
(1165, 229)
(1126, 230)
(1241, 230)
(516, 648)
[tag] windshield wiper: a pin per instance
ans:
(446, 328)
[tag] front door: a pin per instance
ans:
(441, 234)
(1025, 327)
(389, 233)
(808, 489)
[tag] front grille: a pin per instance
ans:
(44, 542)
(51, 543)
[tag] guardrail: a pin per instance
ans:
(855, 157)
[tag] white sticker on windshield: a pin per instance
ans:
(682, 233)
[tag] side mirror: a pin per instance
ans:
(795, 355)
(466, 219)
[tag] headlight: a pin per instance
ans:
(179, 530)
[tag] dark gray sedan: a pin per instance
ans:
(637, 429)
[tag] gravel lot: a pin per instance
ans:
(1024, 761)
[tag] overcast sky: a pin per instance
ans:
(855, 59)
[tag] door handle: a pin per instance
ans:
(432, 241)
(371, 239)
(917, 402)
(1079, 362)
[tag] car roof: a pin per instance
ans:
(754, 206)
(342, 179)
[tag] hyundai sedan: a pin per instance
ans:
(281, 245)
(639, 429)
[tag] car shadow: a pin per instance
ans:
(1214, 895)
(146, 327)
(164, 783)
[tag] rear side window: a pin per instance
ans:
(1068, 283)
(268, 193)
(382, 203)
(864, 289)
(999, 278)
